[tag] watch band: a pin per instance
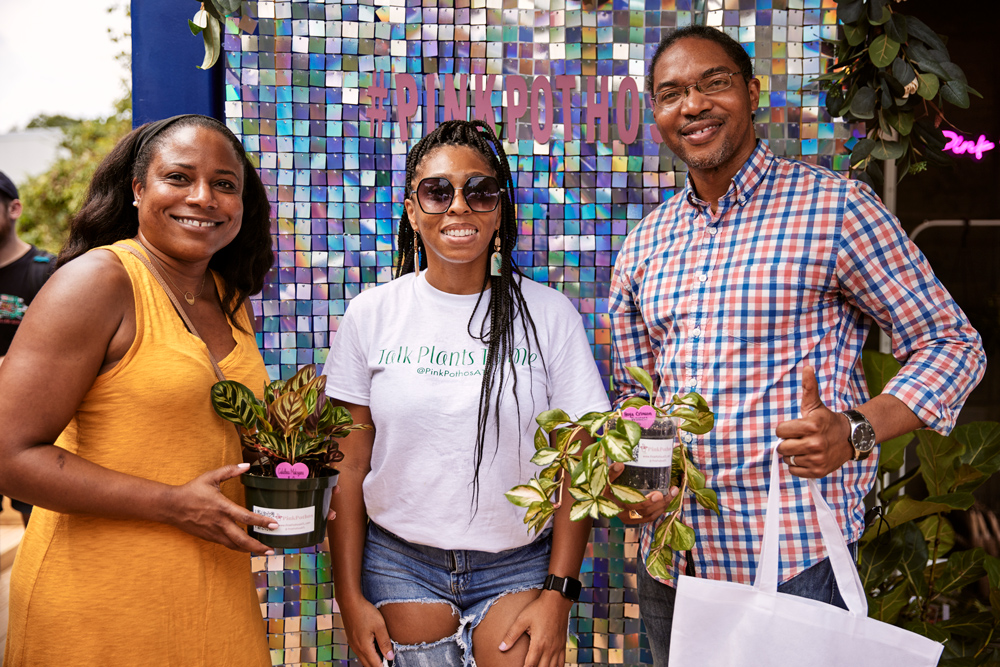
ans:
(568, 587)
(862, 435)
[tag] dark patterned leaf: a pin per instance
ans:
(917, 28)
(962, 568)
(886, 607)
(903, 549)
(849, 11)
(288, 412)
(937, 528)
(235, 402)
(939, 457)
(982, 445)
(895, 27)
(957, 93)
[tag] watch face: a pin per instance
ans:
(864, 437)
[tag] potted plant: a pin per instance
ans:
(617, 434)
(294, 429)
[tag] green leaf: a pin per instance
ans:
(643, 378)
(903, 550)
(593, 422)
(545, 457)
(883, 50)
(541, 438)
(955, 501)
(631, 430)
(696, 479)
(895, 27)
(930, 630)
(937, 528)
(524, 495)
(903, 123)
(850, 11)
(626, 494)
(889, 150)
(635, 402)
(902, 71)
(938, 456)
(856, 33)
(224, 7)
(878, 13)
(863, 104)
(962, 568)
(957, 93)
(659, 563)
(550, 419)
(194, 27)
(582, 509)
(891, 453)
(607, 508)
(933, 67)
(886, 607)
(861, 150)
(905, 509)
(681, 537)
(213, 44)
(982, 445)
(707, 499)
(616, 447)
(917, 28)
(235, 402)
(599, 479)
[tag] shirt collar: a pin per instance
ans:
(746, 181)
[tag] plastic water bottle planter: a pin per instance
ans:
(294, 429)
(618, 434)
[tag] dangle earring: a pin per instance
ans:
(416, 254)
(496, 259)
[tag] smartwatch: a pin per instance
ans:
(862, 437)
(567, 586)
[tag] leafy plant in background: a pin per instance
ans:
(894, 74)
(207, 22)
(913, 574)
(295, 422)
(586, 471)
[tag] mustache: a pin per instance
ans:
(701, 117)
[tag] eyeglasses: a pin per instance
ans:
(709, 85)
(482, 194)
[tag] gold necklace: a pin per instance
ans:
(188, 296)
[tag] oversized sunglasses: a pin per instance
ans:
(482, 194)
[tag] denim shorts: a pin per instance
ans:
(395, 570)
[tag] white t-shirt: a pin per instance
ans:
(404, 350)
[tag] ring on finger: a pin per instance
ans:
(791, 461)
(634, 514)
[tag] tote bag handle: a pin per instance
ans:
(844, 571)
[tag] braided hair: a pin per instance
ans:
(506, 302)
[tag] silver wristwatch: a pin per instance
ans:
(862, 437)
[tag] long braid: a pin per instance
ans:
(506, 303)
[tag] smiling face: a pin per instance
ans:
(191, 203)
(458, 241)
(712, 134)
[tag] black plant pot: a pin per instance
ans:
(300, 507)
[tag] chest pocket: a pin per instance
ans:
(767, 302)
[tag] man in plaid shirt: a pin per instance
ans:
(756, 286)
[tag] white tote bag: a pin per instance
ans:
(725, 624)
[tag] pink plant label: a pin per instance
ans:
(286, 470)
(644, 416)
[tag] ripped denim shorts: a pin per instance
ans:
(395, 570)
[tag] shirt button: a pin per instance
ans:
(713, 230)
(696, 332)
(702, 277)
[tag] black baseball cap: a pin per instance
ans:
(7, 187)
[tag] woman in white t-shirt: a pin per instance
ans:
(450, 362)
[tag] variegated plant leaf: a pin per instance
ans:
(234, 402)
(288, 412)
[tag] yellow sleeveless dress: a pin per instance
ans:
(93, 591)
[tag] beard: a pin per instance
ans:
(698, 158)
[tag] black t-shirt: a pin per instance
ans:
(19, 283)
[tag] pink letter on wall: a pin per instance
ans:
(484, 107)
(515, 109)
(597, 110)
(430, 89)
(407, 98)
(628, 131)
(541, 133)
(456, 106)
(566, 83)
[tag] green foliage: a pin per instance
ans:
(208, 22)
(894, 74)
(52, 198)
(587, 469)
(912, 572)
(294, 422)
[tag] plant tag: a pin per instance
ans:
(290, 521)
(644, 416)
(285, 470)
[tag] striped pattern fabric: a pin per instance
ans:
(790, 271)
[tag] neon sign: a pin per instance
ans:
(958, 144)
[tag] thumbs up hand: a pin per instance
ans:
(817, 443)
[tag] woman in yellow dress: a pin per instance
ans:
(136, 553)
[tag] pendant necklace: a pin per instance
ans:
(188, 296)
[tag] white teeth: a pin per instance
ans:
(459, 232)
(195, 223)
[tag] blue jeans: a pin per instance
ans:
(394, 570)
(656, 601)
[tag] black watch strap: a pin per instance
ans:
(568, 586)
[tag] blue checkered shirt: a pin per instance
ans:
(790, 271)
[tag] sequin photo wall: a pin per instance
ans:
(328, 97)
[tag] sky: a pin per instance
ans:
(58, 58)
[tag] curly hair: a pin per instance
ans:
(107, 215)
(506, 302)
